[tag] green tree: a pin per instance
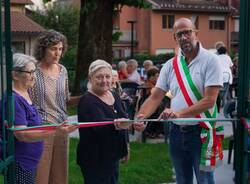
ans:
(95, 33)
(64, 19)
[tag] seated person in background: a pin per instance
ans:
(133, 75)
(28, 144)
(122, 70)
(115, 86)
(153, 129)
(152, 76)
(147, 64)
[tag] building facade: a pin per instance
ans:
(153, 28)
(24, 30)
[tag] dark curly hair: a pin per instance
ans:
(46, 39)
(152, 71)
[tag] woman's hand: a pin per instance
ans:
(121, 124)
(65, 128)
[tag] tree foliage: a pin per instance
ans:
(64, 19)
(95, 30)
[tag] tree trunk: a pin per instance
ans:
(95, 37)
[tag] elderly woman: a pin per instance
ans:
(28, 144)
(147, 64)
(100, 148)
(50, 94)
(133, 75)
(115, 85)
(122, 70)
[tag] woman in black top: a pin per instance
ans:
(100, 148)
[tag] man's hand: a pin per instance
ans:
(168, 113)
(139, 126)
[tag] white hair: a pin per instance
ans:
(114, 72)
(133, 62)
(148, 62)
(121, 64)
(21, 60)
(97, 65)
(219, 44)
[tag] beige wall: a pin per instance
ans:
(18, 8)
(29, 43)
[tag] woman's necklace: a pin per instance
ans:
(113, 108)
(107, 99)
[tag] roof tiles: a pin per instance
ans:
(21, 24)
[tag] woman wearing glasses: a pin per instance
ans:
(28, 144)
(50, 95)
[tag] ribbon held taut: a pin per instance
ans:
(103, 123)
(211, 135)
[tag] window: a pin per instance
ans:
(164, 51)
(116, 53)
(217, 23)
(167, 21)
(236, 25)
(18, 47)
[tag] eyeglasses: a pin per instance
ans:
(186, 33)
(31, 72)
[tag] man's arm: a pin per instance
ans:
(207, 102)
(152, 102)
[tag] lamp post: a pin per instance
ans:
(132, 22)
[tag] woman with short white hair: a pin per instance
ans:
(28, 144)
(122, 70)
(100, 148)
(133, 75)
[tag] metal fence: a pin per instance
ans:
(7, 139)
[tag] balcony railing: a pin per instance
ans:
(126, 35)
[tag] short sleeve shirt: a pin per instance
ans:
(135, 77)
(26, 154)
(205, 71)
(226, 64)
(50, 96)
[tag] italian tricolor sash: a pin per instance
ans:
(211, 134)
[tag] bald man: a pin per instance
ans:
(205, 73)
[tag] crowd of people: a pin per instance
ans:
(191, 81)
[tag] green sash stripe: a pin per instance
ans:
(194, 88)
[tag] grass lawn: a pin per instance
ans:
(71, 110)
(149, 164)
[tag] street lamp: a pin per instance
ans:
(132, 22)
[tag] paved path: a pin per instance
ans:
(223, 174)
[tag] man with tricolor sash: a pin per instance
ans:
(194, 77)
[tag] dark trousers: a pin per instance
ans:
(185, 151)
(98, 176)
